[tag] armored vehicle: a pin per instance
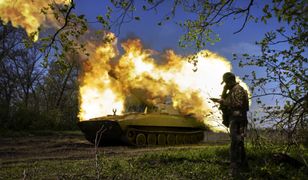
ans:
(144, 124)
(143, 129)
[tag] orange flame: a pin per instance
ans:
(99, 92)
(27, 13)
(105, 86)
(102, 91)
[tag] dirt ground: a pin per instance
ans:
(73, 145)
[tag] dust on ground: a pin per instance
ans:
(73, 145)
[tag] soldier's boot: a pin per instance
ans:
(244, 167)
(234, 172)
(243, 163)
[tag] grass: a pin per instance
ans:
(197, 162)
(67, 155)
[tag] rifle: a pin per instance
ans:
(217, 100)
(224, 109)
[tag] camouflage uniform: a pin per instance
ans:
(235, 105)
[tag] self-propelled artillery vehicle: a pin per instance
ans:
(143, 129)
(153, 126)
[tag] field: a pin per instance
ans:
(67, 155)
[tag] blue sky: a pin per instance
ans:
(167, 36)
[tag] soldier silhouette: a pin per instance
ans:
(234, 105)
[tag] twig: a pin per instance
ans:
(64, 25)
(98, 137)
(24, 174)
(246, 18)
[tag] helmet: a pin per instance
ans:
(228, 77)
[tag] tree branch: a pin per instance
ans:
(64, 25)
(246, 18)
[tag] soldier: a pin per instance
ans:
(234, 105)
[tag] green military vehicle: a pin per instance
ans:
(143, 129)
(143, 124)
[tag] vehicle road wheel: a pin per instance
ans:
(161, 140)
(141, 139)
(179, 139)
(152, 139)
(194, 138)
(200, 137)
(187, 139)
(171, 139)
(131, 136)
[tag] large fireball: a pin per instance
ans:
(109, 78)
(102, 92)
(28, 14)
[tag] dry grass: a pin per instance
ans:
(67, 155)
